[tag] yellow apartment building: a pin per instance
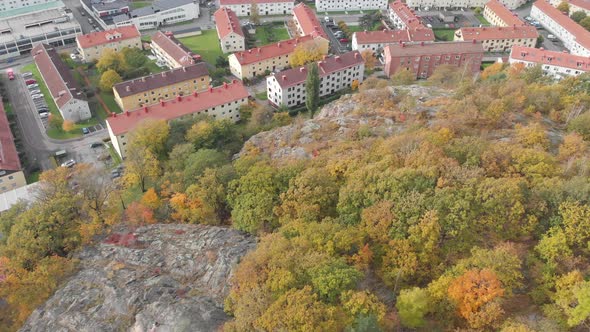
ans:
(93, 44)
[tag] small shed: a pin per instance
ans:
(446, 17)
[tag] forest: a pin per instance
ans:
(473, 216)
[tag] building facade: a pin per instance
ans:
(556, 64)
(344, 5)
(65, 91)
(171, 51)
(403, 17)
(573, 35)
(499, 39)
(499, 15)
(265, 7)
(150, 89)
(269, 58)
(229, 31)
(222, 102)
(377, 40)
(287, 88)
(307, 22)
(11, 173)
(16, 4)
(438, 4)
(423, 58)
(92, 45)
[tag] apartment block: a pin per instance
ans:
(287, 88)
(17, 4)
(171, 51)
(307, 22)
(377, 40)
(272, 57)
(65, 91)
(150, 89)
(556, 64)
(575, 5)
(423, 58)
(344, 5)
(499, 15)
(499, 39)
(265, 7)
(438, 4)
(92, 45)
(229, 31)
(573, 35)
(222, 102)
(403, 17)
(11, 173)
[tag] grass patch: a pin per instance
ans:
(109, 100)
(270, 34)
(33, 177)
(444, 34)
(206, 44)
(482, 19)
(114, 155)
(486, 64)
(140, 4)
(8, 109)
(262, 95)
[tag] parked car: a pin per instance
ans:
(96, 145)
(32, 86)
(34, 92)
(85, 131)
(37, 96)
(343, 40)
(44, 115)
(69, 163)
(551, 37)
(528, 18)
(27, 75)
(73, 56)
(30, 81)
(115, 174)
(43, 110)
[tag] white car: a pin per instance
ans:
(73, 56)
(37, 96)
(551, 37)
(69, 163)
(33, 86)
(44, 115)
(35, 92)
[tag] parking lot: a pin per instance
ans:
(337, 43)
(432, 19)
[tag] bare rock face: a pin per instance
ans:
(158, 278)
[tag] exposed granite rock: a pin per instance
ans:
(158, 278)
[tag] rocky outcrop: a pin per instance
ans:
(158, 278)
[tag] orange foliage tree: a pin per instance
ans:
(139, 214)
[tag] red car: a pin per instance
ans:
(344, 40)
(30, 82)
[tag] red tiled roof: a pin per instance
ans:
(509, 18)
(102, 37)
(308, 21)
(494, 33)
(554, 58)
(8, 155)
(249, 2)
(326, 66)
(394, 36)
(416, 49)
(56, 74)
(581, 35)
(227, 22)
(178, 107)
(406, 14)
(580, 3)
(174, 48)
(281, 48)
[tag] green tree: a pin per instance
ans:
(110, 59)
(199, 161)
(576, 222)
(412, 305)
(134, 57)
(585, 22)
(254, 13)
(578, 15)
(312, 89)
(108, 79)
(564, 7)
(152, 135)
(332, 279)
(141, 165)
(581, 125)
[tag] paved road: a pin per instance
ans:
(525, 11)
(76, 8)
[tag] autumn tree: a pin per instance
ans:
(138, 214)
(403, 77)
(492, 70)
(370, 60)
(312, 89)
(111, 60)
(564, 7)
(108, 79)
(152, 135)
(254, 13)
(141, 166)
(305, 53)
(412, 305)
(67, 125)
(56, 121)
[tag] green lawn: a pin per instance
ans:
(8, 108)
(273, 34)
(140, 4)
(444, 34)
(262, 95)
(109, 99)
(481, 19)
(33, 177)
(114, 155)
(207, 45)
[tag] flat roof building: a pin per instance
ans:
(229, 30)
(376, 40)
(499, 39)
(556, 64)
(92, 45)
(171, 51)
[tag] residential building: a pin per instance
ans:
(50, 23)
(376, 40)
(340, 5)
(438, 4)
(64, 89)
(574, 37)
(556, 64)
(171, 51)
(498, 15)
(499, 39)
(403, 17)
(229, 31)
(11, 173)
(575, 5)
(336, 73)
(103, 11)
(92, 45)
(148, 90)
(269, 58)
(26, 193)
(17, 4)
(423, 58)
(307, 22)
(265, 7)
(222, 102)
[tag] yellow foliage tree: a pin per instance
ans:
(67, 125)
(492, 70)
(108, 79)
(151, 199)
(370, 60)
(305, 53)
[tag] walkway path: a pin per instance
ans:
(98, 97)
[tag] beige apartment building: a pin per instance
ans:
(171, 51)
(499, 39)
(93, 44)
(151, 89)
(11, 173)
(499, 15)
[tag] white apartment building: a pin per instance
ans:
(377, 40)
(336, 73)
(499, 39)
(499, 15)
(7, 5)
(556, 64)
(436, 4)
(265, 7)
(340, 5)
(171, 51)
(575, 5)
(161, 13)
(222, 102)
(229, 30)
(403, 17)
(573, 35)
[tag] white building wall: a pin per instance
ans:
(233, 43)
(172, 16)
(511, 4)
(234, 66)
(340, 5)
(75, 110)
(569, 41)
(375, 47)
(552, 70)
(264, 9)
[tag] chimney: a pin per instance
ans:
(145, 109)
(284, 77)
(250, 51)
(127, 88)
(143, 78)
(179, 98)
(114, 115)
(210, 89)
(356, 55)
(195, 93)
(337, 58)
(234, 81)
(324, 57)
(474, 41)
(403, 44)
(279, 44)
(421, 43)
(162, 102)
(302, 69)
(127, 113)
(163, 74)
(184, 69)
(225, 85)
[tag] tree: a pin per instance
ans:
(134, 57)
(578, 16)
(312, 89)
(56, 121)
(110, 59)
(254, 13)
(138, 214)
(576, 222)
(412, 305)
(108, 79)
(199, 161)
(585, 22)
(141, 165)
(581, 125)
(332, 279)
(403, 77)
(564, 7)
(447, 75)
(152, 135)
(150, 199)
(67, 125)
(305, 53)
(370, 60)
